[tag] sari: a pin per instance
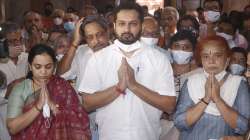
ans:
(71, 123)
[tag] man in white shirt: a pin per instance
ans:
(73, 64)
(150, 35)
(129, 85)
(16, 66)
(15, 69)
(95, 31)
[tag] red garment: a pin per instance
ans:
(47, 23)
(71, 123)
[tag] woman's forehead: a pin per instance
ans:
(42, 59)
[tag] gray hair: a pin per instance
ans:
(173, 11)
(95, 18)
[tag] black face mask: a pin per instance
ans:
(47, 12)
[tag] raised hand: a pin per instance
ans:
(76, 35)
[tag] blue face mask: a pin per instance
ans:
(69, 26)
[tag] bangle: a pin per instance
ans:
(39, 110)
(202, 100)
(119, 90)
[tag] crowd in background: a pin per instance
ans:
(55, 59)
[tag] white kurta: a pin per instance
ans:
(78, 65)
(129, 117)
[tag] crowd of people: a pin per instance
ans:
(126, 74)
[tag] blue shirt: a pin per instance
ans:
(210, 126)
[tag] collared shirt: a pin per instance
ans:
(211, 126)
(78, 65)
(15, 71)
(129, 117)
(76, 71)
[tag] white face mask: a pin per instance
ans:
(58, 21)
(181, 57)
(212, 16)
(229, 39)
(149, 41)
(59, 57)
(236, 69)
(46, 110)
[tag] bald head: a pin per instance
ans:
(150, 27)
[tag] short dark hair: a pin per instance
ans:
(239, 50)
(8, 27)
(192, 19)
(245, 8)
(200, 9)
(218, 1)
(39, 49)
(97, 19)
(48, 4)
(226, 19)
(245, 17)
(130, 6)
(183, 35)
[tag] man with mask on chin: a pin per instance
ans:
(129, 85)
(150, 35)
(14, 68)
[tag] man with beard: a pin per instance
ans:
(130, 85)
(34, 30)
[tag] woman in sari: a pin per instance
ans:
(213, 104)
(44, 106)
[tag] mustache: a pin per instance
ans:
(127, 33)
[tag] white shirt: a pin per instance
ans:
(166, 52)
(78, 65)
(128, 117)
(15, 71)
